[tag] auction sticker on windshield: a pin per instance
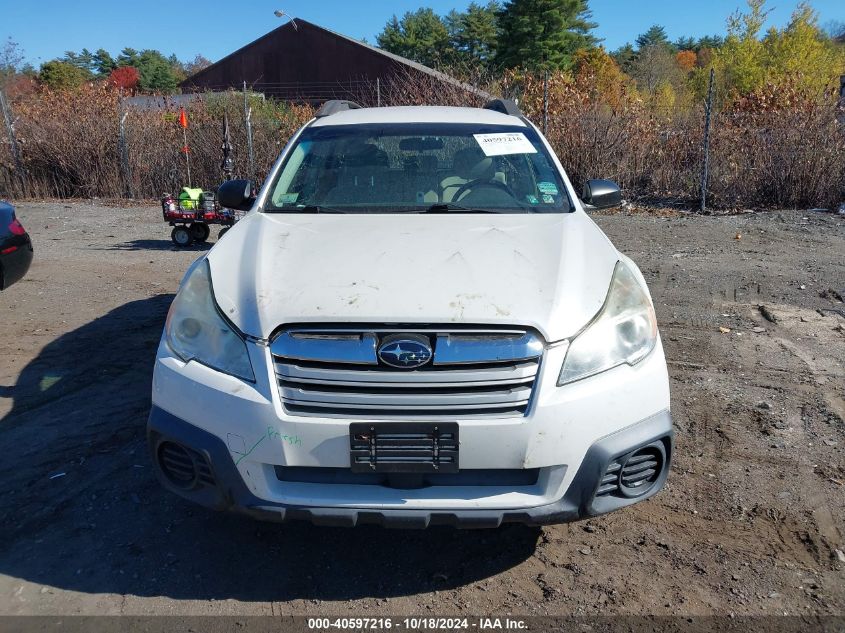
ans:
(504, 143)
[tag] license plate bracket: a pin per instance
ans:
(404, 447)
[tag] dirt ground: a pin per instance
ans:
(751, 521)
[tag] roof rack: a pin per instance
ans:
(505, 106)
(336, 105)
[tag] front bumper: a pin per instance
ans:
(244, 435)
(222, 487)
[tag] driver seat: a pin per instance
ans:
(468, 164)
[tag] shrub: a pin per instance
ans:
(69, 143)
(779, 146)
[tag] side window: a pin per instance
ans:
(290, 184)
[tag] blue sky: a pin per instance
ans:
(47, 28)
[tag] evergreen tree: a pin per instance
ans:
(685, 44)
(98, 64)
(420, 35)
(474, 34)
(103, 63)
(625, 56)
(156, 71)
(709, 41)
(543, 34)
(655, 36)
(82, 60)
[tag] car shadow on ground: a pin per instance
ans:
(80, 508)
(156, 245)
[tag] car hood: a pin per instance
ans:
(550, 272)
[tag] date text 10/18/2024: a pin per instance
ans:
(416, 624)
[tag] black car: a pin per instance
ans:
(15, 247)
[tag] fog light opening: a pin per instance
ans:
(642, 470)
(177, 465)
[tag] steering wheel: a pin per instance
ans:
(479, 183)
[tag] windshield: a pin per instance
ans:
(414, 167)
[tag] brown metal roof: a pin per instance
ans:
(309, 59)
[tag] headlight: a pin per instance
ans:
(195, 330)
(625, 331)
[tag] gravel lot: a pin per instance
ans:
(750, 523)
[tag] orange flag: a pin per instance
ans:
(183, 118)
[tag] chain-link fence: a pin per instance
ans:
(96, 144)
(778, 150)
(779, 147)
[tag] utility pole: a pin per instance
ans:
(708, 109)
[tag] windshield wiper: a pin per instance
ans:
(308, 208)
(448, 207)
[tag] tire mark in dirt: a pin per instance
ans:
(822, 513)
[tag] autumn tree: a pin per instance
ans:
(686, 60)
(799, 54)
(125, 78)
(596, 69)
(802, 53)
(654, 65)
(656, 68)
(740, 61)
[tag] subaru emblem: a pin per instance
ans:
(405, 351)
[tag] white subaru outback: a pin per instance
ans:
(416, 324)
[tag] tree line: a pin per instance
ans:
(146, 70)
(485, 41)
(559, 35)
(531, 34)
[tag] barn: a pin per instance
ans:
(301, 61)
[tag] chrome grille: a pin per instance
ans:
(336, 373)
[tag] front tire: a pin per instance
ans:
(223, 231)
(200, 231)
(181, 236)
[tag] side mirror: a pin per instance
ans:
(602, 194)
(236, 194)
